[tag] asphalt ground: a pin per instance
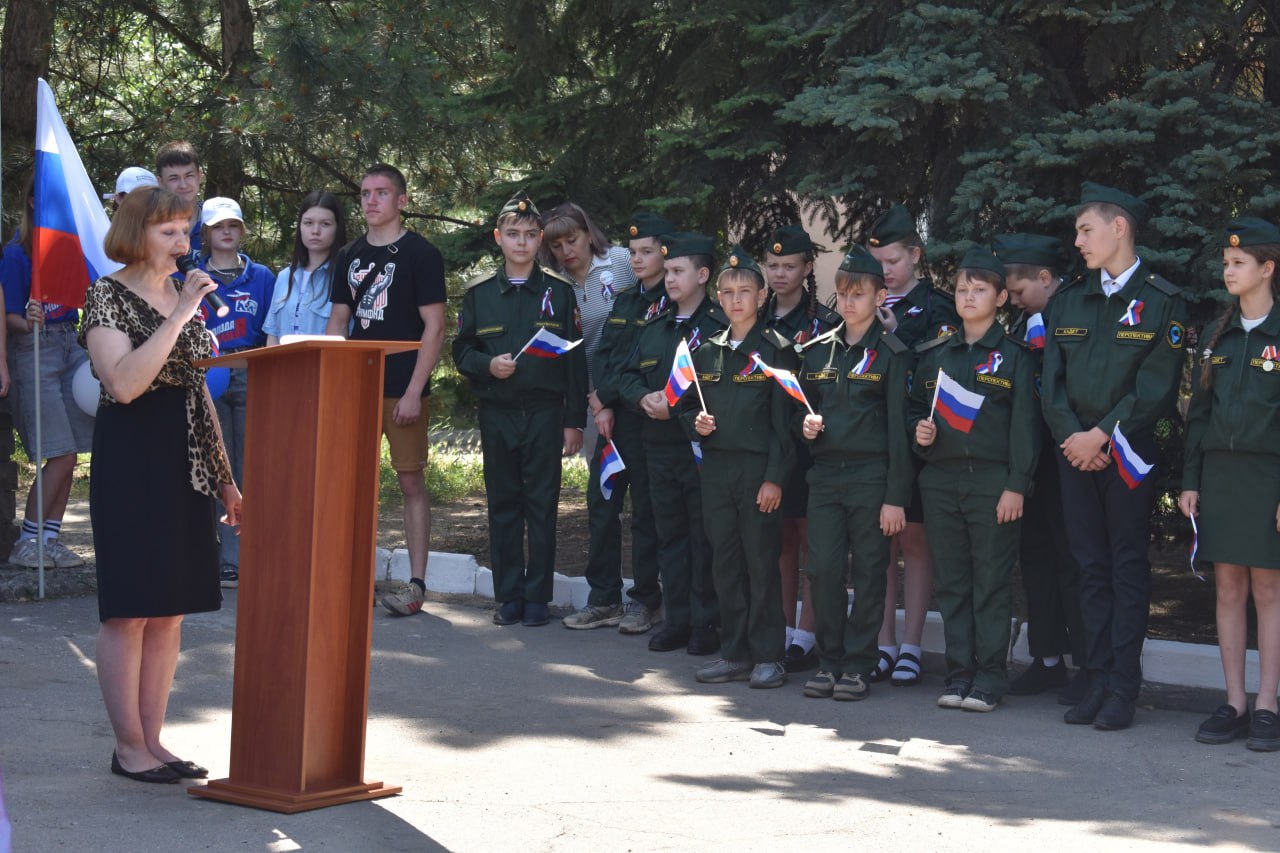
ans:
(548, 739)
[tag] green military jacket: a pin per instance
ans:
(861, 393)
(752, 411)
(1241, 412)
(1103, 364)
(632, 308)
(498, 317)
(925, 313)
(650, 364)
(798, 328)
(1006, 430)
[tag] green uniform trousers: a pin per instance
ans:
(844, 512)
(684, 556)
(973, 560)
(745, 546)
(604, 559)
(522, 449)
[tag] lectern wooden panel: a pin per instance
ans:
(305, 600)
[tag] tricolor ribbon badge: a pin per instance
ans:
(695, 339)
(607, 290)
(1133, 314)
(1270, 354)
(753, 364)
(656, 308)
(864, 363)
(915, 311)
(547, 309)
(991, 366)
(1195, 546)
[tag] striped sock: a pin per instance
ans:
(52, 528)
(29, 530)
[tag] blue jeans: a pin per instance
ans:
(230, 408)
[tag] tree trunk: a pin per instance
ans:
(225, 173)
(28, 29)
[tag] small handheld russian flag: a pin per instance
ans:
(67, 253)
(546, 344)
(786, 379)
(1195, 546)
(958, 405)
(611, 465)
(697, 453)
(682, 374)
(1131, 467)
(1035, 331)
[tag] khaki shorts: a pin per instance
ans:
(408, 443)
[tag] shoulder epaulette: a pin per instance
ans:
(827, 315)
(1163, 285)
(550, 273)
(824, 338)
(774, 337)
(895, 344)
(480, 279)
(715, 312)
(928, 345)
(1019, 341)
(1072, 283)
(720, 338)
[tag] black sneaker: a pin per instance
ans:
(1077, 687)
(229, 577)
(798, 660)
(1038, 678)
(1264, 732)
(1224, 726)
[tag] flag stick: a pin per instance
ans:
(525, 347)
(937, 386)
(698, 387)
(35, 341)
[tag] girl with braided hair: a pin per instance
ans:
(792, 310)
(1231, 478)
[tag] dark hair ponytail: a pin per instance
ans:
(811, 287)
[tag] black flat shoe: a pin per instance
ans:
(187, 769)
(535, 614)
(509, 613)
(1264, 732)
(703, 641)
(164, 774)
(798, 660)
(669, 639)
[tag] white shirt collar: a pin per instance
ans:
(1111, 286)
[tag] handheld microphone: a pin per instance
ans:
(187, 263)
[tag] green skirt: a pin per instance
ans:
(1239, 493)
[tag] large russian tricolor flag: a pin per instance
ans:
(70, 224)
(957, 405)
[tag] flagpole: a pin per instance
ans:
(698, 387)
(36, 333)
(937, 386)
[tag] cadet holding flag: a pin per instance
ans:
(1231, 477)
(860, 483)
(980, 453)
(688, 593)
(747, 455)
(531, 410)
(1113, 354)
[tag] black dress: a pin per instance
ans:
(156, 465)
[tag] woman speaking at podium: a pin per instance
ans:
(158, 463)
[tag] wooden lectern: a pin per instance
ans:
(303, 621)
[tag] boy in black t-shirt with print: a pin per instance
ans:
(391, 281)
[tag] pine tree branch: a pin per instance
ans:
(197, 48)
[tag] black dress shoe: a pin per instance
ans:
(1264, 732)
(164, 774)
(1223, 726)
(1116, 714)
(798, 660)
(704, 641)
(1086, 710)
(670, 638)
(187, 769)
(535, 614)
(509, 613)
(1077, 687)
(1038, 678)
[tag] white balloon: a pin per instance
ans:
(85, 388)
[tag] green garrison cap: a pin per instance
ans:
(893, 225)
(1250, 231)
(1033, 250)
(982, 258)
(860, 262)
(1091, 193)
(790, 240)
(684, 243)
(646, 224)
(521, 205)
(739, 260)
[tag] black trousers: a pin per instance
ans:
(1109, 526)
(1050, 574)
(684, 554)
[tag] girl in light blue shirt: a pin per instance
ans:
(301, 303)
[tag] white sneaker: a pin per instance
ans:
(24, 554)
(60, 556)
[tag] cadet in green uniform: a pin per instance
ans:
(530, 408)
(855, 377)
(684, 558)
(978, 467)
(915, 311)
(748, 453)
(1231, 478)
(631, 310)
(1050, 576)
(793, 311)
(1113, 355)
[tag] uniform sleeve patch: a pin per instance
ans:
(1175, 335)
